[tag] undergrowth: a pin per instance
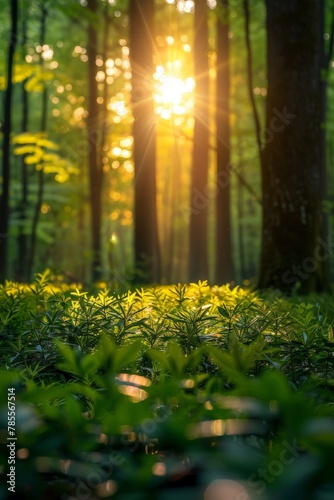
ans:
(166, 390)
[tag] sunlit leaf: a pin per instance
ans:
(25, 138)
(23, 150)
(47, 144)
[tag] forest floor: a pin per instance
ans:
(196, 391)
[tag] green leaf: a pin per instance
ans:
(224, 311)
(70, 359)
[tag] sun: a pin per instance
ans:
(172, 90)
(173, 95)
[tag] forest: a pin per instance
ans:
(154, 164)
(166, 256)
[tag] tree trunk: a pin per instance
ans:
(324, 75)
(198, 244)
(224, 263)
(240, 205)
(251, 84)
(4, 198)
(93, 129)
(293, 249)
(105, 120)
(40, 190)
(22, 241)
(146, 244)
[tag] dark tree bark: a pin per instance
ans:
(105, 94)
(198, 242)
(104, 117)
(241, 213)
(146, 244)
(7, 125)
(22, 240)
(326, 56)
(251, 84)
(224, 262)
(40, 189)
(93, 137)
(293, 249)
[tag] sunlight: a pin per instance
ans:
(172, 90)
(173, 95)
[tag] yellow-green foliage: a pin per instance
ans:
(138, 392)
(34, 148)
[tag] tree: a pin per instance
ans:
(198, 242)
(251, 83)
(41, 174)
(293, 249)
(326, 56)
(146, 244)
(7, 127)
(22, 241)
(94, 167)
(224, 262)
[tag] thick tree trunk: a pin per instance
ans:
(224, 263)
(146, 244)
(4, 198)
(293, 249)
(326, 56)
(198, 244)
(93, 138)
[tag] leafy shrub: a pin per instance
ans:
(166, 391)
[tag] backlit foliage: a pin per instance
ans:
(213, 382)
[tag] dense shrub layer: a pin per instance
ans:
(166, 390)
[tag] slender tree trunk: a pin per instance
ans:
(105, 119)
(240, 198)
(7, 126)
(293, 249)
(251, 84)
(93, 128)
(240, 203)
(146, 244)
(40, 189)
(198, 244)
(22, 241)
(174, 201)
(256, 115)
(224, 262)
(105, 96)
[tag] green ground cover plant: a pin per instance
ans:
(166, 391)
